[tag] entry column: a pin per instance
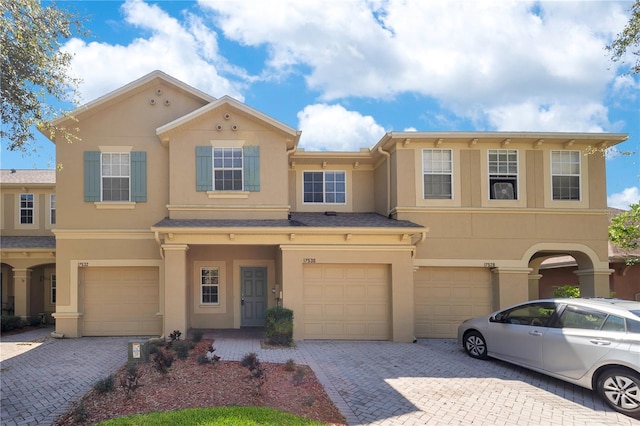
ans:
(510, 286)
(22, 292)
(175, 288)
(594, 282)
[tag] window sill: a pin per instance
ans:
(228, 195)
(115, 205)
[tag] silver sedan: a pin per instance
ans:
(593, 343)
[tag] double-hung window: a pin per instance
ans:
(26, 209)
(227, 169)
(565, 175)
(324, 187)
(115, 176)
(53, 289)
(437, 174)
(52, 209)
(209, 285)
(503, 174)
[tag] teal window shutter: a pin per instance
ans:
(204, 168)
(251, 163)
(92, 176)
(138, 177)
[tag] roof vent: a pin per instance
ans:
(330, 213)
(13, 171)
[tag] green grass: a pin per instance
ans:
(214, 416)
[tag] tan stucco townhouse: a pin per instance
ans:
(178, 211)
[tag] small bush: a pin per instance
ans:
(570, 291)
(129, 381)
(162, 361)
(182, 348)
(250, 361)
(104, 385)
(298, 376)
(202, 359)
(197, 335)
(11, 322)
(34, 321)
(290, 365)
(80, 413)
(279, 326)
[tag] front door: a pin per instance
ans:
(253, 289)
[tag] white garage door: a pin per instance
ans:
(120, 301)
(346, 302)
(444, 297)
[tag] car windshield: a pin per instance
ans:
(636, 313)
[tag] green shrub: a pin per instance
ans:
(104, 385)
(182, 348)
(290, 365)
(279, 326)
(11, 322)
(35, 321)
(570, 291)
(197, 335)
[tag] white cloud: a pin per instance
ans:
(476, 58)
(622, 200)
(186, 50)
(333, 128)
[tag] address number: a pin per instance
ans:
(309, 260)
(489, 265)
(83, 264)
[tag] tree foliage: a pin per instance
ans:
(34, 71)
(628, 39)
(624, 232)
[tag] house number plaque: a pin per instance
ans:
(309, 260)
(83, 264)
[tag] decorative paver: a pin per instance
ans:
(432, 382)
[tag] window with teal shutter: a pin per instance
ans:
(228, 169)
(92, 176)
(115, 176)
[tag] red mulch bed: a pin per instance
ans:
(190, 384)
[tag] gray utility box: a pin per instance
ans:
(138, 350)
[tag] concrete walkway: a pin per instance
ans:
(432, 382)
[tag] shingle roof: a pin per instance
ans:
(27, 242)
(317, 220)
(27, 176)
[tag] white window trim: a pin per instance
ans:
(424, 172)
(34, 209)
(52, 208)
(196, 294)
(309, 203)
(213, 171)
(516, 176)
(111, 203)
(209, 285)
(551, 175)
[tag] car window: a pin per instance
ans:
(535, 314)
(613, 323)
(577, 317)
(633, 326)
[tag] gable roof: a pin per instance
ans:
(135, 85)
(164, 130)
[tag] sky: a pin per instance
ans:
(344, 72)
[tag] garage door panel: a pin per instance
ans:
(444, 297)
(354, 298)
(120, 301)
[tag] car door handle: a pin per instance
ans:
(600, 342)
(535, 333)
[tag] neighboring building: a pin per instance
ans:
(27, 244)
(624, 281)
(179, 211)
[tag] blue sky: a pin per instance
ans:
(346, 72)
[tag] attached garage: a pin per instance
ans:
(444, 297)
(347, 301)
(120, 301)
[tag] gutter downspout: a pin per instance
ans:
(386, 154)
(157, 237)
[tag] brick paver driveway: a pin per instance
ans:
(434, 382)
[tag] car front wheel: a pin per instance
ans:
(620, 389)
(475, 345)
